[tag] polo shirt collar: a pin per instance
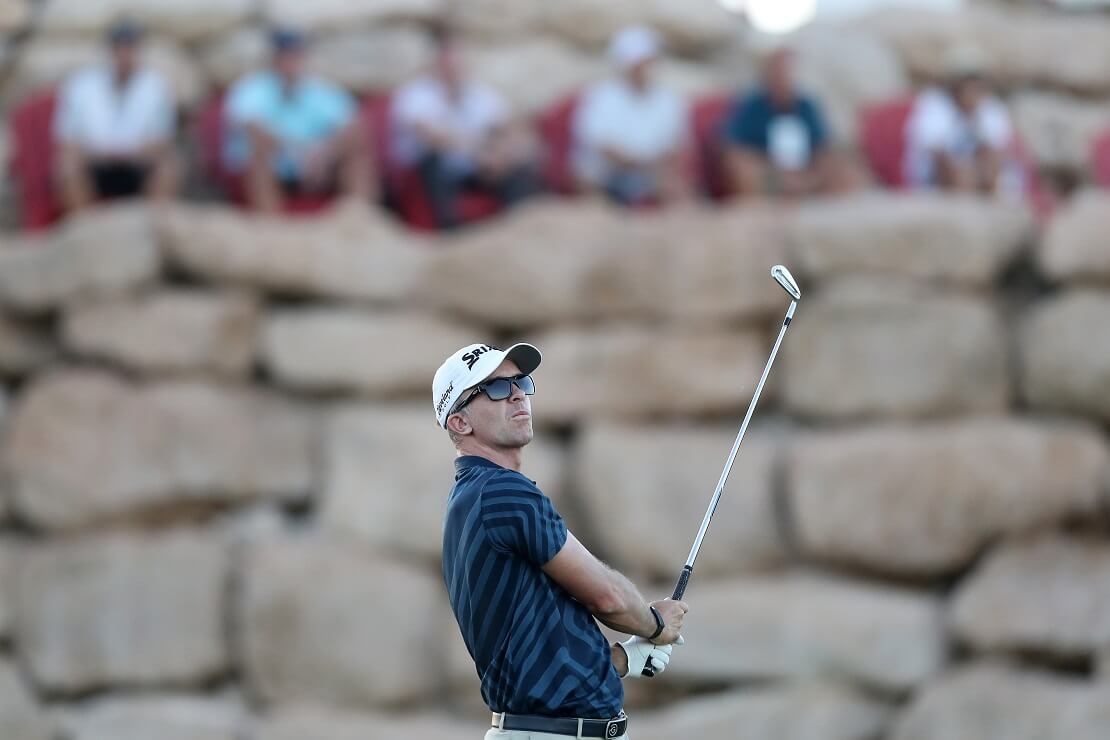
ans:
(473, 461)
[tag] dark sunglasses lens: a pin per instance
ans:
(502, 388)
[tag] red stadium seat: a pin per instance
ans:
(1100, 159)
(707, 117)
(32, 163)
(883, 139)
(556, 129)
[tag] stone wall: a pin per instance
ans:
(223, 484)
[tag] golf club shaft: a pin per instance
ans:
(688, 569)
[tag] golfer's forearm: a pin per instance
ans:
(626, 611)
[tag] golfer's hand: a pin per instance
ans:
(673, 613)
(640, 651)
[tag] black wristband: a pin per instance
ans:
(660, 625)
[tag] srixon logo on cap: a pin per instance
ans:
(472, 356)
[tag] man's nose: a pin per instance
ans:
(517, 394)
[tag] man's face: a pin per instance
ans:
(125, 57)
(778, 71)
(448, 63)
(968, 93)
(289, 63)
(506, 423)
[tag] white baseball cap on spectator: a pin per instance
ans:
(632, 45)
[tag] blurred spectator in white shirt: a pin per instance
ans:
(960, 137)
(630, 133)
(292, 133)
(113, 128)
(458, 132)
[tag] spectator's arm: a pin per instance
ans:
(818, 127)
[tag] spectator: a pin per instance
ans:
(959, 136)
(291, 133)
(114, 126)
(459, 135)
(630, 132)
(778, 141)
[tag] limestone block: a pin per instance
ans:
(923, 499)
(1074, 246)
(130, 450)
(167, 331)
(122, 610)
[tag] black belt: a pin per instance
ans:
(607, 728)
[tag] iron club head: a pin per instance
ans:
(783, 277)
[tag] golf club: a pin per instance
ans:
(783, 277)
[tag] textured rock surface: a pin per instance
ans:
(923, 500)
(373, 61)
(684, 24)
(928, 237)
(172, 331)
(343, 349)
(123, 609)
(573, 262)
(1050, 594)
(895, 356)
(341, 14)
(20, 716)
(654, 479)
(350, 253)
(1074, 245)
(10, 555)
(805, 712)
(994, 701)
(628, 370)
(1065, 363)
(167, 717)
(186, 19)
(133, 449)
(803, 626)
(400, 508)
(24, 348)
(1059, 131)
(101, 251)
(304, 614)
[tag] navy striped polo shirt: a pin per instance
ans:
(537, 650)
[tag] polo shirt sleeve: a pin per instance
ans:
(246, 102)
(337, 106)
(519, 519)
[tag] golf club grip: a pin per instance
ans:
(679, 590)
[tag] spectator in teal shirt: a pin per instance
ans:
(290, 132)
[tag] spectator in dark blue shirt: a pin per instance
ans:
(778, 141)
(524, 590)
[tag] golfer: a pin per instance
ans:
(524, 590)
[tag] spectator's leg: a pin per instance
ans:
(263, 189)
(442, 186)
(514, 185)
(73, 178)
(673, 180)
(356, 167)
(164, 179)
(988, 165)
(953, 174)
(749, 171)
(838, 173)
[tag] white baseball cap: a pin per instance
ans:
(470, 366)
(632, 45)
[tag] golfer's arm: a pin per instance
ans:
(606, 593)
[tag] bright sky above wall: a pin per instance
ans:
(783, 16)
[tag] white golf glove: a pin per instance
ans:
(639, 650)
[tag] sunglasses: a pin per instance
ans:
(498, 389)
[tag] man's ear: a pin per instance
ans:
(459, 424)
